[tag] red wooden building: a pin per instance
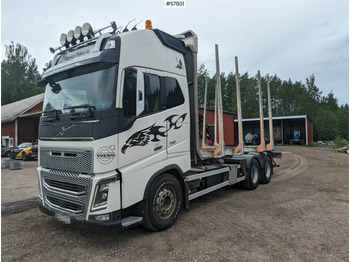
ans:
(228, 119)
(20, 121)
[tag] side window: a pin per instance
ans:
(152, 93)
(173, 93)
(129, 93)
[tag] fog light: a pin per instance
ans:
(102, 218)
(104, 196)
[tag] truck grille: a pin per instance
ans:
(65, 187)
(73, 160)
(67, 192)
(65, 205)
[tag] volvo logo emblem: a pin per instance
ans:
(106, 154)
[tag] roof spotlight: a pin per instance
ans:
(70, 37)
(78, 34)
(63, 40)
(87, 30)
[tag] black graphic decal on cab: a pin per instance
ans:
(151, 133)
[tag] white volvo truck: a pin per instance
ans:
(119, 139)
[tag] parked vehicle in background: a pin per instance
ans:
(5, 151)
(251, 139)
(296, 138)
(25, 151)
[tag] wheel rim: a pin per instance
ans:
(267, 170)
(165, 202)
(254, 174)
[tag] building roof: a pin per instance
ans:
(13, 110)
(275, 118)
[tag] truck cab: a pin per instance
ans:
(116, 112)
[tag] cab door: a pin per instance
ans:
(178, 118)
(144, 137)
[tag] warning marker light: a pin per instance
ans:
(148, 24)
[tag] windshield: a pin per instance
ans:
(88, 86)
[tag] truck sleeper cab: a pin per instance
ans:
(112, 118)
(116, 140)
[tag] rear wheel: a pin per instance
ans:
(267, 171)
(251, 181)
(163, 203)
(8, 154)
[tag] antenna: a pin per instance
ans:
(118, 29)
(134, 28)
(126, 27)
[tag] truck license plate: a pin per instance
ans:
(63, 218)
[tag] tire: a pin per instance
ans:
(163, 203)
(252, 180)
(267, 171)
(24, 156)
(8, 154)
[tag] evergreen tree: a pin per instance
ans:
(19, 74)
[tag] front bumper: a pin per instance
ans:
(91, 225)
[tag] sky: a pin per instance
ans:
(289, 38)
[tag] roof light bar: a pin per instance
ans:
(79, 33)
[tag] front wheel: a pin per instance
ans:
(163, 203)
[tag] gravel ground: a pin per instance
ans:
(302, 215)
(17, 185)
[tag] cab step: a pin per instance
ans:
(129, 221)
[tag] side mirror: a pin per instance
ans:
(140, 93)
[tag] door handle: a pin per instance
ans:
(158, 148)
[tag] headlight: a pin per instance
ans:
(100, 196)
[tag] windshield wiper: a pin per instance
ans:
(53, 117)
(82, 114)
